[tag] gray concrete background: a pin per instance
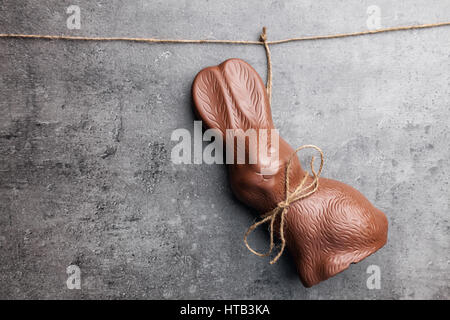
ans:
(85, 170)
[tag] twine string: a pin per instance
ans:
(269, 64)
(301, 191)
(246, 42)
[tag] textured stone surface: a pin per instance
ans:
(85, 170)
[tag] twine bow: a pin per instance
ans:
(282, 207)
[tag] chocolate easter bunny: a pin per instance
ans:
(325, 231)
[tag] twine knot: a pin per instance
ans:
(283, 204)
(282, 208)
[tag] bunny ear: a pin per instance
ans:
(231, 96)
(249, 93)
(209, 99)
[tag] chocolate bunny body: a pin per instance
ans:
(324, 232)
